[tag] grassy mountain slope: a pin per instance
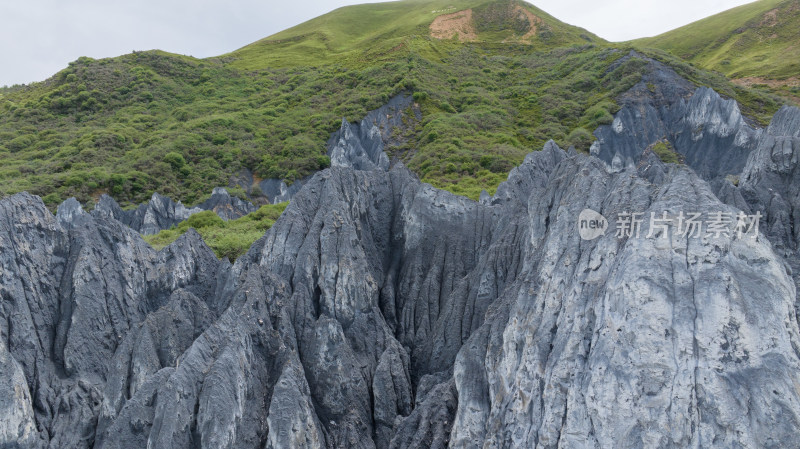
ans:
(154, 121)
(760, 39)
(365, 33)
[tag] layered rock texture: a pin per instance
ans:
(709, 131)
(162, 212)
(379, 312)
(361, 145)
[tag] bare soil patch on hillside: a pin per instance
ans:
(533, 19)
(770, 18)
(458, 24)
(753, 80)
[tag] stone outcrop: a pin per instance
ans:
(70, 298)
(226, 206)
(360, 145)
(709, 131)
(769, 186)
(160, 212)
(277, 191)
(149, 218)
(770, 182)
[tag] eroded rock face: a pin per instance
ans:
(226, 206)
(360, 145)
(770, 181)
(160, 212)
(709, 131)
(630, 342)
(277, 191)
(770, 186)
(149, 218)
(380, 312)
(70, 297)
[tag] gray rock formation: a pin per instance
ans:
(149, 218)
(652, 168)
(631, 342)
(277, 191)
(709, 131)
(786, 122)
(379, 312)
(360, 145)
(70, 297)
(226, 206)
(160, 212)
(770, 186)
(770, 182)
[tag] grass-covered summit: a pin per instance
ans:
(385, 31)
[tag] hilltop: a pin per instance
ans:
(382, 31)
(755, 43)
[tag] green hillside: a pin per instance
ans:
(362, 34)
(490, 89)
(757, 40)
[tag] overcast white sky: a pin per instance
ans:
(39, 37)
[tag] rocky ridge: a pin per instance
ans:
(161, 212)
(709, 131)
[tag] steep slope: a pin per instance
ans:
(754, 41)
(149, 122)
(770, 185)
(382, 312)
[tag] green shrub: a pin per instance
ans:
(52, 200)
(580, 138)
(202, 220)
(665, 152)
(228, 239)
(176, 160)
(323, 162)
(20, 143)
(475, 100)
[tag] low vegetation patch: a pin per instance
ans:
(664, 150)
(228, 239)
